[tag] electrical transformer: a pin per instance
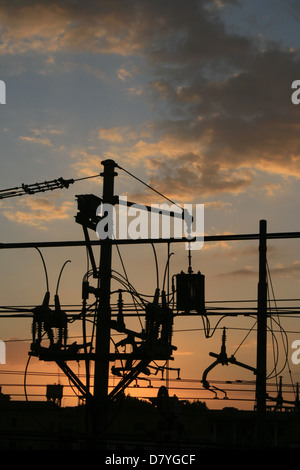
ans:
(190, 292)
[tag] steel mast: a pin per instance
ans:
(262, 299)
(103, 314)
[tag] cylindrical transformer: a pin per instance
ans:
(190, 292)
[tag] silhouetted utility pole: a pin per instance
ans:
(156, 337)
(261, 369)
(103, 316)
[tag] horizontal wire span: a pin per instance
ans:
(153, 379)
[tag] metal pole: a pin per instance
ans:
(103, 317)
(262, 334)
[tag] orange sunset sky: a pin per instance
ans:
(194, 98)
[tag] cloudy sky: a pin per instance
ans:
(192, 97)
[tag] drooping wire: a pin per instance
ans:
(274, 373)
(156, 264)
(45, 268)
(166, 269)
(274, 340)
(126, 277)
(285, 345)
(59, 277)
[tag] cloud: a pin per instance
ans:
(223, 101)
(180, 169)
(188, 175)
(117, 134)
(236, 254)
(86, 164)
(124, 74)
(291, 271)
(41, 136)
(242, 122)
(38, 212)
(36, 140)
(137, 91)
(246, 271)
(159, 27)
(101, 27)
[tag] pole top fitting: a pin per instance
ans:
(109, 162)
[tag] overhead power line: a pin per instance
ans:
(34, 188)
